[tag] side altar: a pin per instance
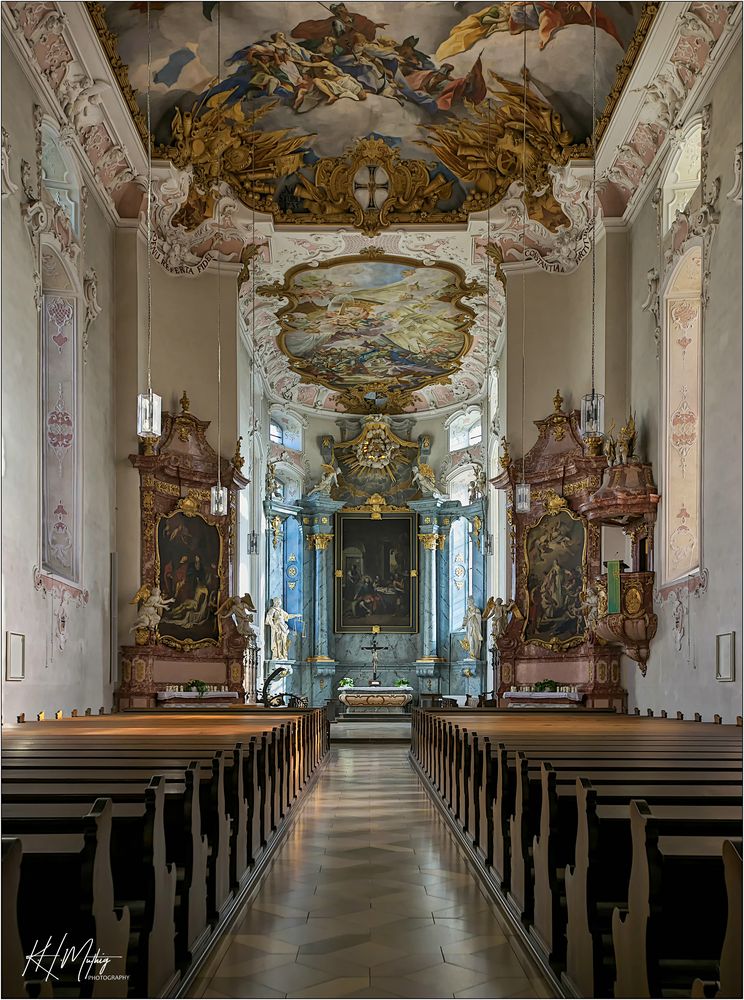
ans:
(189, 627)
(570, 621)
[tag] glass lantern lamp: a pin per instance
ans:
(149, 413)
(592, 414)
(523, 499)
(218, 500)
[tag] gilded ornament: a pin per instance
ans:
(319, 542)
(188, 504)
(557, 402)
(276, 529)
(633, 600)
(185, 403)
(238, 460)
(505, 459)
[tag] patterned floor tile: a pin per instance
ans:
(369, 896)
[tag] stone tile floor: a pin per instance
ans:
(370, 896)
(362, 732)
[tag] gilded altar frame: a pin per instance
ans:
(552, 512)
(375, 523)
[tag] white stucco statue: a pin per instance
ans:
(276, 619)
(328, 480)
(499, 613)
(590, 605)
(151, 609)
(240, 609)
(472, 625)
(422, 476)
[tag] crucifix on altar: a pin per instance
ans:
(374, 648)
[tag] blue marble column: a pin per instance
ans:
(430, 541)
(318, 517)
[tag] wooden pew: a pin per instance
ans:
(673, 929)
(12, 956)
(729, 983)
(598, 879)
(72, 856)
(144, 882)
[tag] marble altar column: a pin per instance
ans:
(431, 540)
(320, 544)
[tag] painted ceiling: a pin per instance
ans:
(375, 328)
(371, 115)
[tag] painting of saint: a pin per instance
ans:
(555, 579)
(375, 586)
(188, 553)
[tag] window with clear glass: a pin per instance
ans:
(276, 434)
(683, 175)
(682, 418)
(458, 571)
(465, 431)
(59, 177)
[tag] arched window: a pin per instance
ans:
(60, 420)
(682, 423)
(683, 175)
(465, 430)
(459, 485)
(286, 430)
(59, 176)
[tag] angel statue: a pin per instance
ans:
(241, 610)
(272, 483)
(472, 625)
(590, 607)
(626, 441)
(276, 619)
(151, 607)
(422, 476)
(328, 480)
(499, 613)
(477, 485)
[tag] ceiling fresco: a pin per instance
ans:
(375, 328)
(376, 114)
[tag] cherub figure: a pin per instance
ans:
(151, 607)
(610, 444)
(272, 483)
(477, 485)
(499, 613)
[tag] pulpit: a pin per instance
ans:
(190, 556)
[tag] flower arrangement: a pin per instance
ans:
(401, 682)
(346, 682)
(546, 685)
(196, 685)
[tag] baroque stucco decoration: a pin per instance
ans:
(700, 32)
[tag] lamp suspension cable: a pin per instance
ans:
(256, 485)
(149, 405)
(523, 498)
(592, 405)
(219, 493)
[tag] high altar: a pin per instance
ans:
(370, 552)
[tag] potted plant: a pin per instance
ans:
(346, 682)
(401, 682)
(546, 685)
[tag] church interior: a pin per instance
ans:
(371, 499)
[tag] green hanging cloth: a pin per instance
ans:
(613, 586)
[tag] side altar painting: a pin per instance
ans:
(376, 576)
(555, 555)
(188, 561)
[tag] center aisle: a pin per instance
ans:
(370, 896)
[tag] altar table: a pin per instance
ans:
(371, 699)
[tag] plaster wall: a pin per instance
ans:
(78, 676)
(685, 680)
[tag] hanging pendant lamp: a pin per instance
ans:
(149, 404)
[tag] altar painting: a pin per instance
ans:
(375, 559)
(188, 562)
(555, 556)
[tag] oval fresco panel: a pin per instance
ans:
(375, 331)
